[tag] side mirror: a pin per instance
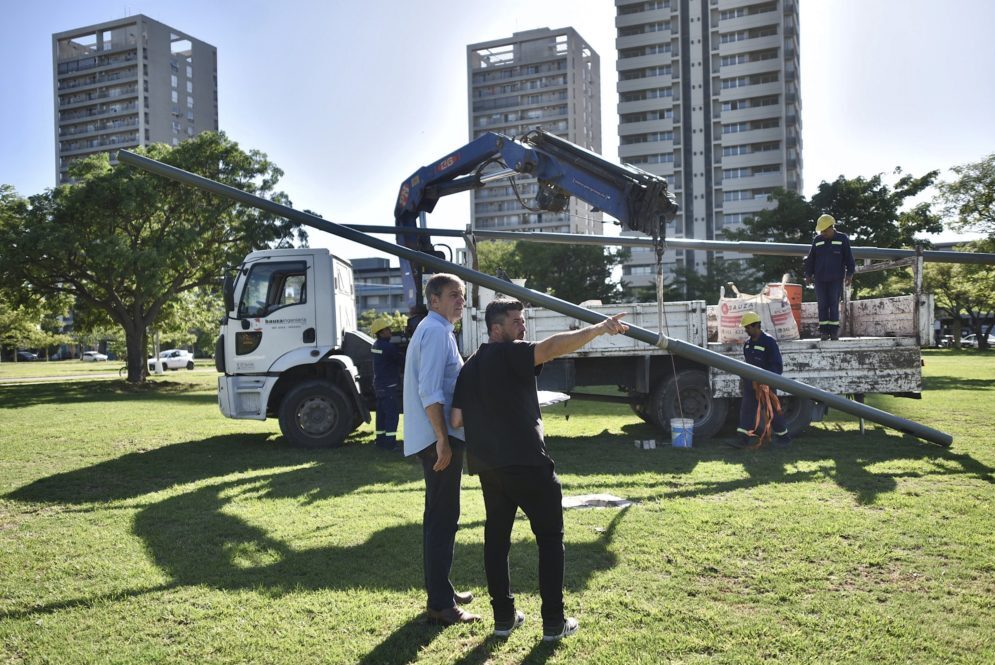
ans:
(228, 289)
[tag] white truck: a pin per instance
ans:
(881, 356)
(289, 347)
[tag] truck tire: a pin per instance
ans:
(797, 412)
(708, 413)
(189, 364)
(316, 414)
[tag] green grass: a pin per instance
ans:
(137, 525)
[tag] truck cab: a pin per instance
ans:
(290, 313)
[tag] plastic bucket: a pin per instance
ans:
(681, 432)
(793, 292)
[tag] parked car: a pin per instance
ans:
(991, 341)
(173, 359)
(26, 356)
(967, 341)
(93, 357)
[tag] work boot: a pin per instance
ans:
(741, 441)
(834, 336)
(824, 337)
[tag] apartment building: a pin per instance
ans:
(539, 78)
(129, 82)
(378, 286)
(709, 97)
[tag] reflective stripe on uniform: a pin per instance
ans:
(376, 351)
(742, 431)
(759, 348)
(781, 433)
(837, 242)
(820, 243)
(391, 433)
(829, 323)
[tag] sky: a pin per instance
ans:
(349, 98)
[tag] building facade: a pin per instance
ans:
(378, 286)
(127, 83)
(709, 97)
(539, 78)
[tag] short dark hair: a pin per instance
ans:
(498, 309)
(440, 281)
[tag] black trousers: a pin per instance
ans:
(536, 490)
(439, 523)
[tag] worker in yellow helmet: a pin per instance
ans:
(828, 266)
(760, 350)
(387, 363)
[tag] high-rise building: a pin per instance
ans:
(539, 78)
(130, 82)
(709, 98)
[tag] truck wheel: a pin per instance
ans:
(316, 414)
(189, 364)
(797, 413)
(708, 413)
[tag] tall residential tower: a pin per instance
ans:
(539, 78)
(709, 97)
(129, 82)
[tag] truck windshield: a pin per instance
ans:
(272, 286)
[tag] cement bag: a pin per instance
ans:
(775, 314)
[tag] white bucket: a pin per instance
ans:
(681, 432)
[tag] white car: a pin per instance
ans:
(173, 359)
(92, 357)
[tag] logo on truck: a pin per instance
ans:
(447, 162)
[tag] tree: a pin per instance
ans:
(868, 210)
(124, 243)
(574, 273)
(965, 289)
(969, 200)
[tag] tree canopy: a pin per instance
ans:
(574, 273)
(868, 210)
(969, 199)
(123, 243)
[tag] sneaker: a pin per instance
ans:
(504, 628)
(556, 633)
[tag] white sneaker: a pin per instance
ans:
(504, 628)
(569, 627)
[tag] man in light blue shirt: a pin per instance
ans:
(430, 369)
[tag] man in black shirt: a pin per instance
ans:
(495, 399)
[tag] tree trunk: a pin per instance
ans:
(134, 335)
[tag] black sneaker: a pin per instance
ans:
(504, 628)
(556, 633)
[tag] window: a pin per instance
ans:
(273, 286)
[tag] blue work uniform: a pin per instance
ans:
(827, 265)
(765, 354)
(387, 363)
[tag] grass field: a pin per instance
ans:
(137, 525)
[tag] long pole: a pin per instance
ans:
(673, 345)
(744, 247)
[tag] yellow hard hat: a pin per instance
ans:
(824, 222)
(379, 324)
(748, 318)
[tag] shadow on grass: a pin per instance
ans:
(15, 396)
(843, 457)
(957, 383)
(194, 538)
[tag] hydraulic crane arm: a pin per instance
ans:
(638, 199)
